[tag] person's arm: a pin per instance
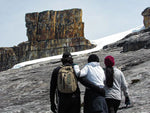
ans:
(124, 88)
(92, 86)
(76, 70)
(83, 80)
(53, 85)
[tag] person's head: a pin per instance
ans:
(67, 58)
(93, 58)
(109, 71)
(109, 61)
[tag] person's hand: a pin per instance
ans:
(53, 107)
(127, 101)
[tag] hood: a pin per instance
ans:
(94, 64)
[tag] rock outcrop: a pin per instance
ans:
(49, 25)
(133, 41)
(53, 32)
(146, 15)
(49, 33)
(136, 40)
(7, 58)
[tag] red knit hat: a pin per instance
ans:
(109, 61)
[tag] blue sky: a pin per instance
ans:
(101, 17)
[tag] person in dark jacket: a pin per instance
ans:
(67, 102)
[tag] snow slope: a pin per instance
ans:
(100, 43)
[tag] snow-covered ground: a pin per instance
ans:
(100, 43)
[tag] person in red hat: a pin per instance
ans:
(114, 84)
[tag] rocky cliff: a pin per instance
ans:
(49, 33)
(49, 25)
(146, 15)
(136, 40)
(7, 58)
(133, 41)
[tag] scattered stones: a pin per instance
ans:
(135, 81)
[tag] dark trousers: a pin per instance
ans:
(69, 104)
(94, 103)
(113, 105)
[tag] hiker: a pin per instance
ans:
(94, 99)
(68, 99)
(115, 83)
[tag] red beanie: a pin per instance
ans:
(109, 61)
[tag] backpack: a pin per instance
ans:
(66, 81)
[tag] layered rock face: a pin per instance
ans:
(7, 58)
(49, 33)
(146, 15)
(136, 40)
(133, 41)
(53, 32)
(49, 25)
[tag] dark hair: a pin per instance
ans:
(109, 73)
(66, 54)
(68, 60)
(93, 58)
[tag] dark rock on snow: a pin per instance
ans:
(133, 41)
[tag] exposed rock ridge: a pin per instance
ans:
(54, 25)
(133, 41)
(49, 33)
(136, 40)
(146, 15)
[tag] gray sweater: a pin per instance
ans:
(119, 85)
